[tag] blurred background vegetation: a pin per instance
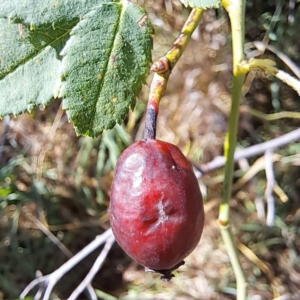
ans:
(54, 186)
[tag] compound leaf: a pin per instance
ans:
(105, 63)
(203, 4)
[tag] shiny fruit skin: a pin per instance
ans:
(156, 208)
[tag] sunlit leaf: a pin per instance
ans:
(105, 63)
(54, 12)
(29, 50)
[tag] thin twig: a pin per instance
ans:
(48, 233)
(269, 189)
(261, 265)
(60, 245)
(219, 161)
(289, 80)
(40, 291)
(258, 166)
(271, 117)
(95, 268)
(91, 292)
(163, 68)
(51, 279)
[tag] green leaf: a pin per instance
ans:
(14, 50)
(40, 23)
(203, 4)
(29, 51)
(105, 63)
(29, 70)
(31, 84)
(41, 12)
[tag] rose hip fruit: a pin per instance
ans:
(156, 208)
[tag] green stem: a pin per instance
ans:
(228, 240)
(236, 11)
(184, 37)
(229, 147)
(163, 68)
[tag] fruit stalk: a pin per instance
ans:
(157, 89)
(162, 69)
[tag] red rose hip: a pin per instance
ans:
(156, 208)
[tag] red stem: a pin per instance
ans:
(151, 116)
(157, 88)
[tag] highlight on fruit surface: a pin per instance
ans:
(156, 208)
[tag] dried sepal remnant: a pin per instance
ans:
(165, 275)
(156, 208)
